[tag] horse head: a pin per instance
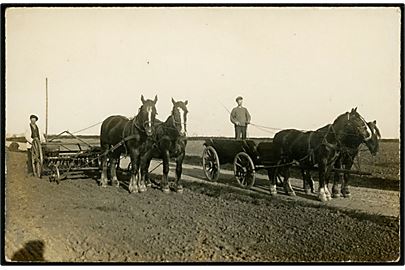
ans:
(373, 143)
(352, 123)
(179, 114)
(147, 114)
(362, 129)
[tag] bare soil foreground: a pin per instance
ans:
(78, 221)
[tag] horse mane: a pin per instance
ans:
(339, 118)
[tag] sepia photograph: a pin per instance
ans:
(202, 134)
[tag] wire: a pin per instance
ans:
(88, 127)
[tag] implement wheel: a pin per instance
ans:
(211, 164)
(37, 158)
(244, 170)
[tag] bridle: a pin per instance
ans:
(364, 126)
(178, 122)
(142, 126)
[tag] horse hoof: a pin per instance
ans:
(166, 190)
(149, 184)
(103, 184)
(322, 198)
(347, 195)
(132, 189)
(289, 191)
(115, 183)
(179, 189)
(335, 195)
(142, 189)
(273, 189)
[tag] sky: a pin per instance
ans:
(295, 67)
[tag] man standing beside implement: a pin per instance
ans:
(240, 117)
(32, 132)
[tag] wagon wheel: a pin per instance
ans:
(244, 170)
(211, 164)
(55, 174)
(36, 158)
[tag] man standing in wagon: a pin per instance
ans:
(32, 132)
(240, 117)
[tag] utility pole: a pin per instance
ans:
(46, 123)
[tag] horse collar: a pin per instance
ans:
(135, 123)
(325, 140)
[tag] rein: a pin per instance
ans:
(136, 124)
(324, 142)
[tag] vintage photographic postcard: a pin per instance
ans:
(202, 134)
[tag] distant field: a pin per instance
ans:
(384, 166)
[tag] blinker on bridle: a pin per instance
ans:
(364, 126)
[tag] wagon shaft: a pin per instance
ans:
(351, 171)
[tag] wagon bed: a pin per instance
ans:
(246, 156)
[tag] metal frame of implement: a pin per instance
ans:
(58, 160)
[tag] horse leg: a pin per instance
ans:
(133, 182)
(272, 179)
(335, 188)
(113, 170)
(179, 170)
(104, 177)
(165, 182)
(336, 179)
(147, 175)
(304, 186)
(307, 179)
(322, 175)
(327, 176)
(345, 183)
(311, 182)
(145, 161)
(287, 186)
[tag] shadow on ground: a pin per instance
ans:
(355, 180)
(33, 251)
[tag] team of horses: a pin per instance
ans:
(333, 146)
(145, 137)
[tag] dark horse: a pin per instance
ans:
(169, 141)
(135, 132)
(320, 147)
(349, 150)
(350, 146)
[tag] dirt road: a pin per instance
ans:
(79, 221)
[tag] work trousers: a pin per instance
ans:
(240, 132)
(29, 162)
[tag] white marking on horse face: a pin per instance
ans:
(368, 130)
(183, 126)
(149, 110)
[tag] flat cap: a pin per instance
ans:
(238, 98)
(34, 116)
